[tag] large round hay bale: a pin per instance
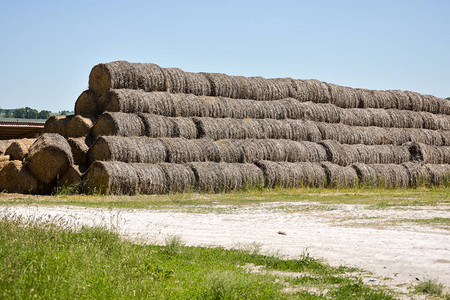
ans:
(382, 175)
(127, 149)
(300, 130)
(19, 148)
(181, 150)
(15, 178)
(57, 124)
(184, 127)
(71, 179)
(291, 175)
(4, 144)
(225, 177)
(175, 80)
(429, 154)
(117, 123)
(49, 157)
(86, 104)
(157, 126)
(122, 74)
(342, 96)
(197, 84)
(418, 174)
(79, 126)
(179, 178)
(79, 148)
(338, 176)
(439, 174)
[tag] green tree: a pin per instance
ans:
(7, 113)
(30, 113)
(43, 114)
(19, 113)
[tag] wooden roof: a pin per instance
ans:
(17, 130)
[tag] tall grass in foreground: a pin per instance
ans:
(46, 262)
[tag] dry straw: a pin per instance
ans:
(382, 175)
(253, 150)
(49, 157)
(71, 178)
(181, 150)
(338, 176)
(4, 144)
(57, 124)
(225, 177)
(119, 124)
(15, 178)
(344, 155)
(79, 148)
(418, 174)
(19, 148)
(87, 103)
(291, 175)
(79, 126)
(429, 154)
(439, 174)
(179, 178)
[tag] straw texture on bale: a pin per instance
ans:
(253, 150)
(86, 103)
(4, 144)
(311, 90)
(71, 178)
(118, 123)
(429, 154)
(79, 126)
(338, 176)
(344, 155)
(343, 96)
(135, 101)
(125, 178)
(49, 157)
(291, 175)
(382, 175)
(79, 148)
(418, 174)
(57, 124)
(224, 177)
(4, 157)
(15, 178)
(179, 178)
(122, 74)
(127, 149)
(181, 150)
(19, 148)
(439, 174)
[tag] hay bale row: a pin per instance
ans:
(418, 174)
(344, 155)
(57, 124)
(382, 175)
(18, 149)
(429, 154)
(291, 175)
(439, 174)
(339, 176)
(87, 104)
(150, 77)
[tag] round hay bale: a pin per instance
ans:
(382, 175)
(445, 135)
(117, 123)
(135, 101)
(57, 124)
(185, 105)
(184, 127)
(158, 126)
(125, 75)
(79, 148)
(342, 96)
(300, 130)
(15, 178)
(19, 149)
(225, 177)
(418, 174)
(86, 104)
(425, 136)
(223, 85)
(71, 179)
(292, 175)
(179, 178)
(49, 157)
(181, 150)
(439, 174)
(228, 128)
(80, 126)
(429, 154)
(338, 176)
(197, 84)
(175, 80)
(4, 144)
(127, 149)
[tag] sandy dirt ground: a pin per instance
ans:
(390, 243)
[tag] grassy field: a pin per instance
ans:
(376, 198)
(41, 261)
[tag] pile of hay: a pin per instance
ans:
(383, 175)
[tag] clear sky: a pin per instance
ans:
(47, 48)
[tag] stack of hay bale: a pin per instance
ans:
(145, 129)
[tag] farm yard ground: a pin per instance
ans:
(400, 237)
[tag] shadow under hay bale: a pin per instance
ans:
(225, 177)
(382, 175)
(57, 124)
(87, 104)
(292, 175)
(338, 176)
(15, 178)
(79, 148)
(49, 157)
(19, 149)
(79, 126)
(71, 179)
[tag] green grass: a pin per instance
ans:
(43, 261)
(432, 288)
(376, 198)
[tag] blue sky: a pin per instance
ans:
(49, 47)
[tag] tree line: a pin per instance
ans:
(29, 113)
